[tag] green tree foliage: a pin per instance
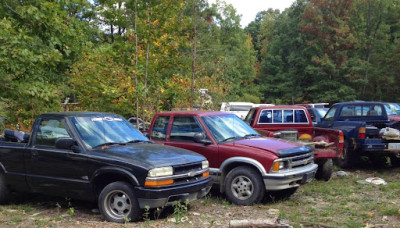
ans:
(39, 40)
(329, 51)
(327, 23)
(138, 57)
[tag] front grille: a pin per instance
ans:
(187, 173)
(301, 160)
(298, 161)
(182, 169)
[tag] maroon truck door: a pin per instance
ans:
(181, 134)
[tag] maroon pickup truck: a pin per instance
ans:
(242, 163)
(284, 119)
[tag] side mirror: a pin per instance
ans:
(201, 138)
(65, 143)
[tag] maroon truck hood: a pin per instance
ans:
(277, 146)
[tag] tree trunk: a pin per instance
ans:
(136, 67)
(194, 58)
(147, 67)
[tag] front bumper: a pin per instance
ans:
(160, 197)
(290, 179)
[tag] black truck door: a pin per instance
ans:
(56, 171)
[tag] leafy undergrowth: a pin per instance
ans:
(341, 202)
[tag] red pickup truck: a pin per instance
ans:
(243, 163)
(328, 142)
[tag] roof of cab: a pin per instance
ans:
(282, 107)
(73, 114)
(195, 113)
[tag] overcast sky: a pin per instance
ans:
(249, 8)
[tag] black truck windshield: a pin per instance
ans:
(106, 130)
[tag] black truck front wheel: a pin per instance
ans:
(117, 203)
(244, 186)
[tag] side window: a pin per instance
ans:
(347, 111)
(288, 116)
(184, 128)
(277, 116)
(300, 116)
(375, 110)
(265, 117)
(49, 130)
(160, 127)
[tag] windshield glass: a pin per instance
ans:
(96, 131)
(390, 109)
(397, 108)
(321, 112)
(224, 127)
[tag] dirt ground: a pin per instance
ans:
(313, 205)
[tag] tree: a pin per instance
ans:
(327, 23)
(40, 40)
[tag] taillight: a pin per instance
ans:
(361, 133)
(341, 140)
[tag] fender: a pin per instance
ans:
(245, 160)
(115, 170)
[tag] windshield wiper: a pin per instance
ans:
(138, 141)
(108, 144)
(251, 135)
(233, 137)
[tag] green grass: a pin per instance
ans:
(340, 202)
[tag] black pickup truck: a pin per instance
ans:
(368, 130)
(99, 157)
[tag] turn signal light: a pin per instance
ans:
(158, 183)
(361, 132)
(275, 167)
(206, 174)
(341, 140)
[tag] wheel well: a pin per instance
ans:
(106, 178)
(231, 166)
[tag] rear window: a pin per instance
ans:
(361, 110)
(288, 116)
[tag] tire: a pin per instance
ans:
(4, 191)
(325, 170)
(117, 203)
(244, 186)
(395, 161)
(281, 194)
(347, 159)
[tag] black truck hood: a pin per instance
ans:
(149, 155)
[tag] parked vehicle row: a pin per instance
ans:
(100, 157)
(104, 158)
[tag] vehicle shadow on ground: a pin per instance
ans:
(382, 163)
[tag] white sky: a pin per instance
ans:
(249, 8)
